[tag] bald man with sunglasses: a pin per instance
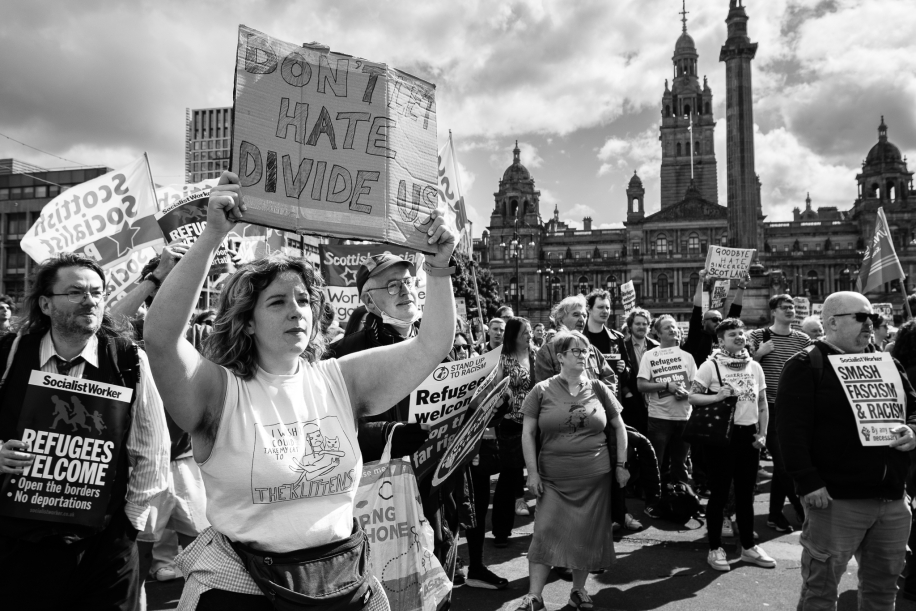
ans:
(853, 492)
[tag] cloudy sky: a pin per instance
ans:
(578, 84)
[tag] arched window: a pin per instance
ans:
(513, 286)
(723, 241)
(678, 154)
(707, 108)
(693, 244)
(556, 289)
(688, 149)
(513, 208)
(667, 110)
(661, 287)
(696, 148)
(635, 205)
(584, 287)
(891, 190)
(661, 244)
(686, 109)
(873, 190)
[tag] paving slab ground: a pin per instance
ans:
(661, 567)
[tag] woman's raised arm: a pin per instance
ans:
(379, 378)
(191, 386)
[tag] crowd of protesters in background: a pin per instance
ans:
(589, 427)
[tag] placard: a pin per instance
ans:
(718, 294)
(884, 309)
(448, 390)
(339, 265)
(875, 393)
(802, 311)
(330, 144)
(628, 297)
(73, 427)
(186, 220)
(461, 308)
(817, 309)
(731, 263)
(667, 365)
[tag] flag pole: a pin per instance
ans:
(906, 294)
(477, 297)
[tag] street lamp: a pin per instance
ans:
(514, 250)
(612, 289)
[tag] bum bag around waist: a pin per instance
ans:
(332, 577)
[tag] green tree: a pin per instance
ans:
(486, 284)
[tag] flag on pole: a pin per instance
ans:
(450, 195)
(880, 263)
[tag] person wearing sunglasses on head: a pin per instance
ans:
(772, 347)
(851, 482)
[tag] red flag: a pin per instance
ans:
(880, 264)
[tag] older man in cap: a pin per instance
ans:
(851, 483)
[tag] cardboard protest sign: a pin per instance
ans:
(186, 219)
(718, 294)
(628, 296)
(875, 393)
(443, 429)
(802, 311)
(106, 218)
(330, 144)
(667, 365)
(461, 307)
(339, 265)
(884, 309)
(817, 309)
(73, 428)
(466, 444)
(731, 263)
(448, 390)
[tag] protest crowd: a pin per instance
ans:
(275, 454)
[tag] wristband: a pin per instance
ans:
(156, 281)
(438, 271)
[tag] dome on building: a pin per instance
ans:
(884, 151)
(635, 181)
(516, 172)
(685, 44)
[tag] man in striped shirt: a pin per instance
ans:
(772, 347)
(60, 559)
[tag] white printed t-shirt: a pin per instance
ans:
(667, 365)
(746, 376)
(285, 464)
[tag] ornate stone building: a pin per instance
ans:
(538, 262)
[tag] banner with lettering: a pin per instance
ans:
(107, 219)
(339, 265)
(628, 297)
(875, 393)
(731, 263)
(332, 144)
(73, 427)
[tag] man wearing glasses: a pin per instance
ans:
(853, 492)
(772, 347)
(87, 557)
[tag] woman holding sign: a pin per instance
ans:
(729, 372)
(572, 473)
(274, 428)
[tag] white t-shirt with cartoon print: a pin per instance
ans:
(285, 464)
(743, 375)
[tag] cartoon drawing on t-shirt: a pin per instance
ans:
(321, 457)
(578, 417)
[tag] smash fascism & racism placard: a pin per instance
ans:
(339, 265)
(731, 263)
(875, 393)
(331, 144)
(73, 427)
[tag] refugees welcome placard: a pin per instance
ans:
(331, 144)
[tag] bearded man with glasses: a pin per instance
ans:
(852, 489)
(83, 533)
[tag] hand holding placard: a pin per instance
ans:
(732, 263)
(442, 236)
(224, 209)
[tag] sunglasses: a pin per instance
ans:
(714, 319)
(863, 316)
